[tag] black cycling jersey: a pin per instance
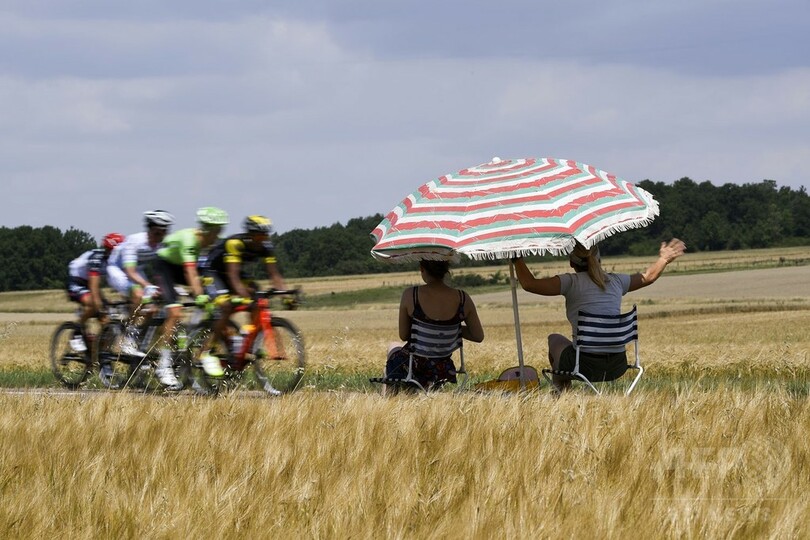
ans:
(236, 249)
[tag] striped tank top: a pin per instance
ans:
(431, 338)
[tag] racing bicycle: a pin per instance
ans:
(118, 370)
(270, 346)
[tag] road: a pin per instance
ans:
(778, 283)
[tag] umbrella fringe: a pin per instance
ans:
(619, 227)
(520, 252)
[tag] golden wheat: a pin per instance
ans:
(448, 466)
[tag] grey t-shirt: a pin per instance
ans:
(582, 294)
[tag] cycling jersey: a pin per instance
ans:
(135, 251)
(237, 249)
(89, 263)
(181, 247)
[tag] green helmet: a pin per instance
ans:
(210, 215)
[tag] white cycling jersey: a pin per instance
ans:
(134, 251)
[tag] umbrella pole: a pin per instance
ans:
(513, 282)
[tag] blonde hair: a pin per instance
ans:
(584, 259)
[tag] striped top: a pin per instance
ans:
(431, 338)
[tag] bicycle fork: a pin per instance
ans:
(274, 350)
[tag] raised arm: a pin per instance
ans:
(668, 252)
(549, 286)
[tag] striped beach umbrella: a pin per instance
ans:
(508, 208)
(511, 207)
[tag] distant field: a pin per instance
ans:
(700, 263)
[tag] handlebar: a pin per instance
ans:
(242, 304)
(278, 292)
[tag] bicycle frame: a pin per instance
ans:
(261, 319)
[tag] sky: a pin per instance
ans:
(316, 112)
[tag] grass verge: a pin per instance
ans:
(796, 383)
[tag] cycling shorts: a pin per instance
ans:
(167, 275)
(77, 288)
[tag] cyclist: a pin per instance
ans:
(126, 269)
(224, 266)
(84, 282)
(177, 265)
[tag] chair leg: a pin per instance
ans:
(461, 381)
(409, 379)
(584, 379)
(633, 384)
(569, 374)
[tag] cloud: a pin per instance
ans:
(340, 114)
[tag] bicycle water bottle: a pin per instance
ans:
(238, 339)
(182, 339)
(236, 343)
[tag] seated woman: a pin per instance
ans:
(592, 290)
(433, 320)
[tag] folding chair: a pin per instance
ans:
(410, 382)
(602, 331)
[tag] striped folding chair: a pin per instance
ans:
(410, 382)
(603, 331)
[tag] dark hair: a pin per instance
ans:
(435, 269)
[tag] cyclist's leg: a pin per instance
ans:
(78, 292)
(120, 282)
(220, 294)
(167, 276)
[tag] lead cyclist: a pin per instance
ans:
(224, 266)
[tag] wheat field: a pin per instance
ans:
(711, 444)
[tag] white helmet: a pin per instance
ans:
(158, 218)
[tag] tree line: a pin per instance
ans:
(705, 216)
(37, 258)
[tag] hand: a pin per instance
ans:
(149, 292)
(671, 250)
(202, 300)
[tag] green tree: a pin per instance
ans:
(37, 258)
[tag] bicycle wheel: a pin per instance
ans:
(190, 370)
(69, 366)
(114, 367)
(280, 372)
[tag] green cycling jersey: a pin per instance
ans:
(181, 247)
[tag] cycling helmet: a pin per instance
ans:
(111, 240)
(210, 215)
(258, 224)
(158, 218)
